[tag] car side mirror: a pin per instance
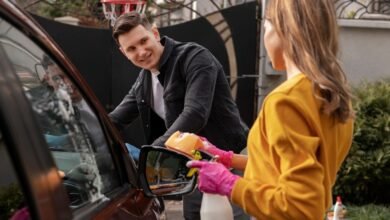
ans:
(163, 172)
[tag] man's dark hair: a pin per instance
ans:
(127, 22)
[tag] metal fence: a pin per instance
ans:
(363, 9)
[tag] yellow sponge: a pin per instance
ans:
(185, 143)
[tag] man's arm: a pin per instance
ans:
(201, 72)
(127, 110)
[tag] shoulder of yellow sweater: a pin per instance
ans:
(297, 87)
(291, 84)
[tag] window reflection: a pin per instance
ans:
(167, 172)
(69, 125)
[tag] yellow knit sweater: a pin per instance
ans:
(294, 153)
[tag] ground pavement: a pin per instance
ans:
(174, 209)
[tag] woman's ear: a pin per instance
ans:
(155, 32)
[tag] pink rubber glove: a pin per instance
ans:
(224, 157)
(21, 214)
(214, 177)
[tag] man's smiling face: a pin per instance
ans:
(142, 47)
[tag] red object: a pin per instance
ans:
(112, 9)
(123, 1)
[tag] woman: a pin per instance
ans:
(304, 130)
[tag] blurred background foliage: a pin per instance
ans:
(364, 177)
(90, 12)
(10, 197)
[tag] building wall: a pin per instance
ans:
(365, 49)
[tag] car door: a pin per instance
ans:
(37, 181)
(67, 155)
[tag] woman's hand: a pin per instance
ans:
(224, 157)
(214, 177)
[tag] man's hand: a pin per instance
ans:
(214, 177)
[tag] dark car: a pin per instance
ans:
(60, 156)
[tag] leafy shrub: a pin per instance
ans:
(10, 199)
(365, 175)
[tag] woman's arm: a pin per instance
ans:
(239, 161)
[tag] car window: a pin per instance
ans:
(68, 123)
(12, 202)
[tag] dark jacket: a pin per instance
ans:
(197, 98)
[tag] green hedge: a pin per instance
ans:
(10, 199)
(365, 175)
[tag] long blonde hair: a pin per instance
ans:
(309, 32)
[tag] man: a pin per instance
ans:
(181, 84)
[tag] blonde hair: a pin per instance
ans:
(309, 32)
